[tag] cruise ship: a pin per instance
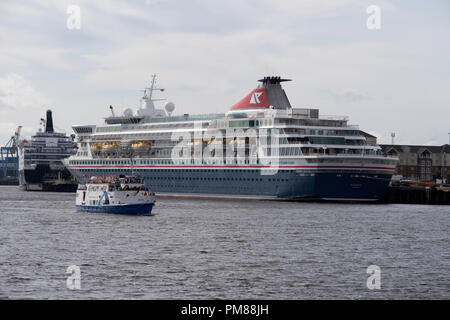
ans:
(40, 165)
(261, 148)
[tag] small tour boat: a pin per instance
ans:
(112, 194)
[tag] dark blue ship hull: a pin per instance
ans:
(287, 184)
(144, 208)
(43, 178)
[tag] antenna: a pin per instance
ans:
(151, 89)
(112, 110)
(392, 136)
(153, 85)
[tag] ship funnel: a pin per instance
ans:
(49, 122)
(269, 94)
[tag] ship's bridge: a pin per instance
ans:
(84, 130)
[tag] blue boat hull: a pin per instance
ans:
(144, 208)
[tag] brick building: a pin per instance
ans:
(420, 162)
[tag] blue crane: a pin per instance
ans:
(9, 155)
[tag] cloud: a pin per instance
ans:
(17, 94)
(308, 8)
(33, 55)
(20, 104)
(208, 54)
(20, 9)
(7, 130)
(348, 96)
(432, 143)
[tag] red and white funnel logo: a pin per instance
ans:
(255, 99)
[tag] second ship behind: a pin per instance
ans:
(40, 160)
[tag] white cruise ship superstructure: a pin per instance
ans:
(262, 148)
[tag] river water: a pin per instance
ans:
(222, 249)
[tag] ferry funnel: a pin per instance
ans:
(268, 94)
(49, 122)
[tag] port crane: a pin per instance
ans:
(9, 154)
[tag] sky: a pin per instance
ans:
(209, 54)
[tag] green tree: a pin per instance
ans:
(447, 175)
(436, 175)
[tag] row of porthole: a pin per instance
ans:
(216, 179)
(195, 170)
(222, 186)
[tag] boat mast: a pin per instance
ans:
(152, 86)
(151, 89)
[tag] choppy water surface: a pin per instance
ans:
(196, 249)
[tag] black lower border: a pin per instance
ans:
(224, 309)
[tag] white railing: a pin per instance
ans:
(332, 117)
